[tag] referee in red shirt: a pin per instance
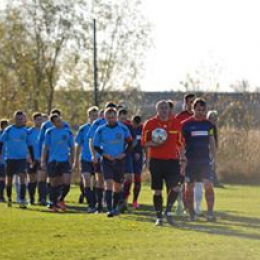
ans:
(163, 159)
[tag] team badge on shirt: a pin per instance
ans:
(118, 136)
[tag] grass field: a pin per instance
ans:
(37, 234)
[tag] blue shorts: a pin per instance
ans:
(113, 170)
(138, 165)
(16, 166)
(57, 169)
(87, 167)
(2, 170)
(198, 172)
(129, 163)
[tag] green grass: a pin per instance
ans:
(37, 234)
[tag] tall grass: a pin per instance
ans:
(239, 155)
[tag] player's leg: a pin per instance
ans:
(210, 199)
(2, 182)
(87, 171)
(190, 178)
(118, 179)
(108, 185)
(99, 187)
(128, 177)
(198, 192)
(20, 169)
(64, 168)
(9, 181)
(17, 184)
(23, 178)
(32, 181)
(42, 186)
(157, 186)
(138, 167)
(55, 180)
(81, 188)
(171, 172)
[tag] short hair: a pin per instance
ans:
(92, 109)
(161, 102)
(56, 111)
(122, 111)
(100, 112)
(188, 96)
(199, 101)
(3, 122)
(19, 113)
(110, 110)
(110, 104)
(137, 119)
(53, 117)
(35, 115)
(170, 103)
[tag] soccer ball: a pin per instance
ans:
(159, 135)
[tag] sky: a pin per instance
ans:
(220, 36)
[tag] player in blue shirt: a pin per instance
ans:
(34, 166)
(59, 145)
(112, 141)
(3, 124)
(199, 148)
(95, 156)
(15, 138)
(83, 154)
(129, 170)
(137, 158)
(42, 177)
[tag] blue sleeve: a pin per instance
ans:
(127, 133)
(79, 137)
(42, 133)
(3, 137)
(97, 138)
(71, 140)
(47, 139)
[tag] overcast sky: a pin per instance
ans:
(202, 35)
(196, 34)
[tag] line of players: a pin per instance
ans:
(47, 149)
(186, 156)
(44, 156)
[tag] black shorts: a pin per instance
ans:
(32, 169)
(87, 167)
(2, 170)
(138, 165)
(57, 169)
(164, 170)
(198, 172)
(113, 170)
(14, 166)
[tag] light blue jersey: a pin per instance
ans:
(16, 140)
(59, 141)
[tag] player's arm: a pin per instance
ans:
(213, 150)
(146, 139)
(45, 148)
(91, 134)
(78, 148)
(2, 140)
(72, 148)
(129, 145)
(44, 155)
(98, 148)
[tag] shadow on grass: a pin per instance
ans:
(228, 224)
(71, 209)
